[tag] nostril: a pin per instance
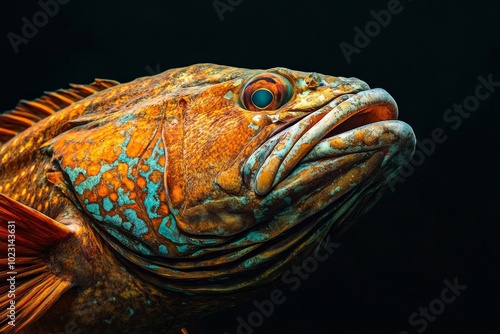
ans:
(314, 80)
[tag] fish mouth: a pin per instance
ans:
(356, 125)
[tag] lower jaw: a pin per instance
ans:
(313, 185)
(293, 245)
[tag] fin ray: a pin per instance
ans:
(36, 288)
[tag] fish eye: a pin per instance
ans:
(266, 92)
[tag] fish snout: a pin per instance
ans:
(350, 123)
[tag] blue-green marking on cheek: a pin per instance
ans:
(107, 204)
(198, 252)
(140, 226)
(171, 232)
(73, 173)
(163, 249)
(91, 181)
(123, 198)
(128, 220)
(152, 266)
(182, 248)
(152, 200)
(253, 237)
(251, 262)
(125, 119)
(94, 210)
(115, 220)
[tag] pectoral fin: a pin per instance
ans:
(27, 287)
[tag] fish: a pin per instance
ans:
(143, 206)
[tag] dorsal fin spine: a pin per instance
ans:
(28, 113)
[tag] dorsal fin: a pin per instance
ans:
(28, 113)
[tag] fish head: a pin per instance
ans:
(215, 179)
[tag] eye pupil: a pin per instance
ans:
(261, 98)
(266, 92)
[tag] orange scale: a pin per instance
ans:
(91, 196)
(102, 190)
(122, 168)
(163, 210)
(141, 182)
(156, 177)
(93, 170)
(128, 183)
(79, 179)
(134, 149)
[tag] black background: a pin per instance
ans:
(441, 223)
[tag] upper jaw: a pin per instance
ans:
(350, 123)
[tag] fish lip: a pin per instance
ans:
(279, 155)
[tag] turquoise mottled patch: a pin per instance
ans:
(94, 210)
(123, 198)
(253, 237)
(125, 119)
(91, 181)
(183, 242)
(73, 173)
(152, 200)
(107, 204)
(115, 220)
(182, 248)
(139, 226)
(171, 232)
(163, 249)
(252, 262)
(126, 225)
